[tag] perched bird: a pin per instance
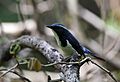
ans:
(68, 42)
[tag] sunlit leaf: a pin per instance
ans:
(34, 64)
(15, 48)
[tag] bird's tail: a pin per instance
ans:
(94, 55)
(87, 51)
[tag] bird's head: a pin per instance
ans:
(60, 32)
(57, 27)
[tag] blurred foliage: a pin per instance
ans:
(7, 11)
(113, 23)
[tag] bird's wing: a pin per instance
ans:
(75, 44)
(63, 41)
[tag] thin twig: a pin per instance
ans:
(51, 64)
(107, 71)
(68, 63)
(22, 77)
(18, 65)
(20, 15)
(9, 70)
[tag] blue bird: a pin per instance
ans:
(68, 42)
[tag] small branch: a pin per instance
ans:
(20, 15)
(67, 63)
(69, 71)
(24, 78)
(107, 71)
(12, 68)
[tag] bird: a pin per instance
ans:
(67, 41)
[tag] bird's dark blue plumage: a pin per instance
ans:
(64, 36)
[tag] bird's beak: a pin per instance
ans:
(48, 26)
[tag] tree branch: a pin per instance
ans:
(70, 72)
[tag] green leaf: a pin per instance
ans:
(34, 64)
(15, 48)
